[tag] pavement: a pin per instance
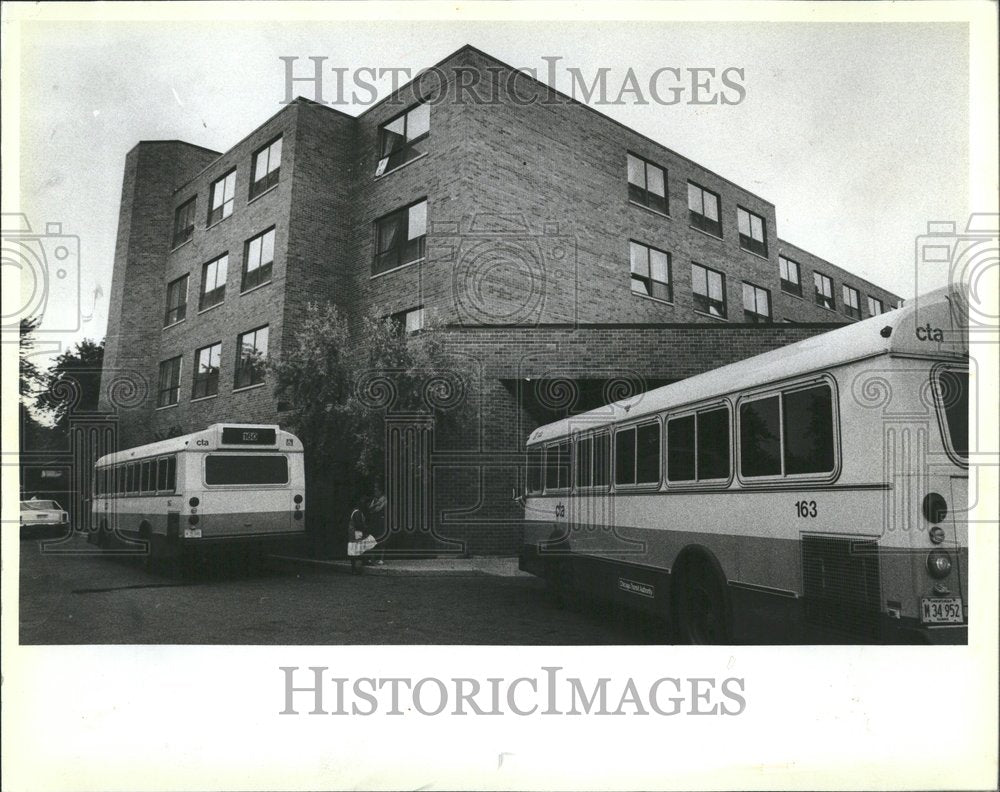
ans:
(497, 567)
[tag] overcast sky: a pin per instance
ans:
(858, 133)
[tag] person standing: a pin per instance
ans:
(376, 519)
(357, 527)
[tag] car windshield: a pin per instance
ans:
(40, 505)
(951, 393)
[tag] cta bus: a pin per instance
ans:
(816, 493)
(227, 486)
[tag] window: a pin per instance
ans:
(409, 321)
(400, 237)
(177, 293)
(788, 434)
(824, 291)
(266, 168)
(647, 184)
(585, 462)
(709, 288)
(166, 474)
(120, 471)
(756, 304)
(222, 193)
(147, 482)
(251, 351)
(398, 138)
(650, 270)
(703, 210)
(258, 259)
(170, 382)
(637, 454)
(852, 301)
(206, 371)
(698, 446)
(791, 282)
(753, 231)
(213, 282)
(246, 469)
(535, 470)
(184, 222)
(951, 397)
(557, 466)
(130, 477)
(874, 306)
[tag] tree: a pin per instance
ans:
(72, 382)
(30, 379)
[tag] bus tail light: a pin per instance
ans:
(193, 503)
(935, 507)
(939, 564)
(297, 499)
(936, 534)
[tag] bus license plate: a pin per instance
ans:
(192, 533)
(946, 610)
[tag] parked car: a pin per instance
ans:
(42, 516)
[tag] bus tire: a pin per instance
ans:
(700, 604)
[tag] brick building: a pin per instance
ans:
(568, 257)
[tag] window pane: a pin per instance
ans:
(713, 444)
(246, 469)
(584, 452)
(638, 258)
(714, 285)
(654, 180)
(748, 297)
(274, 158)
(253, 254)
(711, 206)
(658, 266)
(648, 454)
(757, 228)
(760, 442)
(602, 456)
(743, 220)
(636, 171)
(694, 198)
(808, 430)
(260, 169)
(390, 231)
(535, 470)
(161, 474)
(418, 121)
(267, 248)
(417, 220)
(552, 467)
(698, 279)
(625, 456)
(680, 449)
(952, 393)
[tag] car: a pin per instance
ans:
(42, 516)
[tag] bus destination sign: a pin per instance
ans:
(239, 435)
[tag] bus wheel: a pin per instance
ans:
(700, 612)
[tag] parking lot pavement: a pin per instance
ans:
(83, 597)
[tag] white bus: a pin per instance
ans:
(815, 493)
(227, 486)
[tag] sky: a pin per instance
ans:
(857, 132)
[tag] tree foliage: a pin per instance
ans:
(30, 378)
(72, 382)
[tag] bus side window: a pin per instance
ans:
(760, 438)
(171, 473)
(602, 459)
(680, 448)
(713, 444)
(647, 454)
(584, 461)
(556, 466)
(161, 474)
(144, 484)
(130, 478)
(625, 456)
(122, 479)
(808, 430)
(535, 470)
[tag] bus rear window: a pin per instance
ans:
(951, 394)
(246, 469)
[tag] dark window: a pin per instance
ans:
(852, 301)
(170, 382)
(602, 459)
(791, 280)
(184, 222)
(557, 466)
(398, 138)
(177, 291)
(584, 462)
(647, 184)
(147, 484)
(400, 237)
(756, 304)
(130, 485)
(222, 194)
(824, 291)
(709, 289)
(161, 474)
(703, 210)
(258, 259)
(808, 430)
(122, 481)
(650, 272)
(246, 469)
(410, 321)
(680, 449)
(760, 438)
(213, 282)
(951, 394)
(753, 231)
(713, 444)
(874, 306)
(647, 454)
(206, 371)
(535, 468)
(266, 168)
(171, 473)
(625, 456)
(251, 352)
